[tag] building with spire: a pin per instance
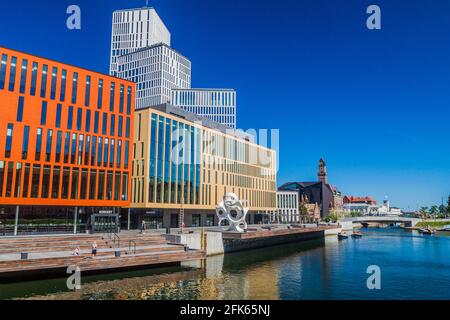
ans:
(320, 192)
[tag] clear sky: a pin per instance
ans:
(374, 104)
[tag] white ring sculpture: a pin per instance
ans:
(232, 210)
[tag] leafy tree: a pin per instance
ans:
(424, 212)
(448, 205)
(434, 210)
(355, 214)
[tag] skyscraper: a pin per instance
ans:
(156, 70)
(135, 29)
(141, 52)
(218, 105)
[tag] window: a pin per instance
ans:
(84, 184)
(9, 177)
(92, 184)
(58, 115)
(48, 149)
(122, 97)
(111, 155)
(23, 76)
(34, 72)
(111, 96)
(88, 121)
(18, 178)
(66, 147)
(75, 178)
(38, 144)
(79, 118)
(74, 148)
(44, 81)
(127, 149)
(45, 181)
(26, 180)
(70, 118)
(105, 153)
(105, 123)
(87, 97)
(129, 101)
(100, 94)
(87, 150)
(3, 72)
(120, 129)
(58, 146)
(62, 95)
(53, 87)
(12, 74)
(113, 125)
(74, 87)
(19, 117)
(119, 153)
(101, 185)
(96, 116)
(9, 137)
(55, 183)
(35, 181)
(44, 113)
(99, 152)
(65, 183)
(93, 150)
(127, 128)
(25, 142)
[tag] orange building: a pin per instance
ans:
(65, 138)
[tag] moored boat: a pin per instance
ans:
(342, 236)
(428, 231)
(356, 235)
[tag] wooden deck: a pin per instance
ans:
(51, 255)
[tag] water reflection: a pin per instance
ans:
(413, 267)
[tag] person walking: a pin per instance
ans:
(94, 249)
(143, 226)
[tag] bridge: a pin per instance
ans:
(408, 222)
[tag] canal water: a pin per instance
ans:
(412, 266)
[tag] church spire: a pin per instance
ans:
(322, 175)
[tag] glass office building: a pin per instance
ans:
(65, 136)
(183, 161)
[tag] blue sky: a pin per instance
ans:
(374, 104)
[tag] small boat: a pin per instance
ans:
(428, 231)
(342, 236)
(357, 235)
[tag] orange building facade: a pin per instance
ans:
(65, 138)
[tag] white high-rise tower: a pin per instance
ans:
(134, 29)
(141, 52)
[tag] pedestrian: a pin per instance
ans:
(94, 249)
(76, 252)
(143, 226)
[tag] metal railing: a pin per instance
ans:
(132, 244)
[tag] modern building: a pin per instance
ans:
(184, 164)
(327, 196)
(143, 54)
(218, 105)
(156, 70)
(65, 137)
(135, 29)
(288, 207)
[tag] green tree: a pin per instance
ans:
(448, 206)
(424, 212)
(434, 210)
(303, 212)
